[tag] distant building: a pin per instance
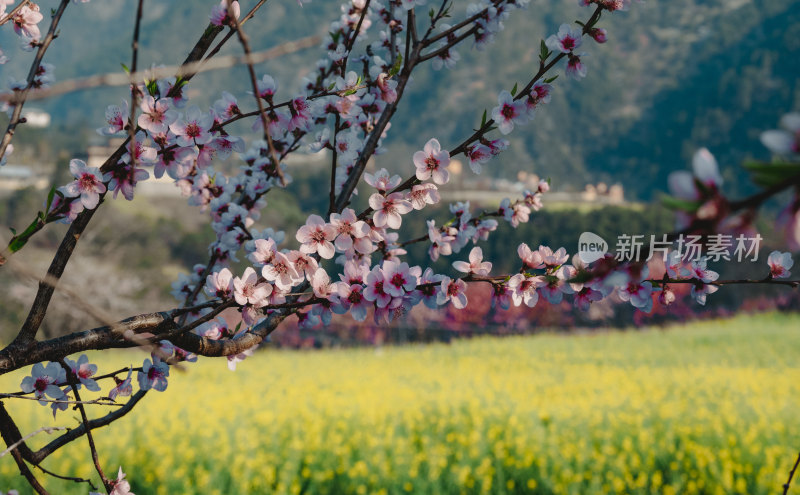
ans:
(36, 118)
(14, 177)
(486, 190)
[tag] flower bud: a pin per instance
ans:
(600, 35)
(666, 297)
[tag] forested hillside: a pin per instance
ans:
(675, 75)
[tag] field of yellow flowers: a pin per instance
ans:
(708, 408)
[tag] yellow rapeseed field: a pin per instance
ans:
(709, 408)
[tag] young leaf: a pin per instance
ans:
(781, 169)
(548, 81)
(483, 118)
(50, 196)
(680, 204)
(152, 88)
(398, 64)
(19, 241)
(125, 68)
(514, 90)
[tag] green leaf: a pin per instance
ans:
(674, 203)
(771, 174)
(13, 231)
(544, 52)
(398, 64)
(125, 68)
(767, 180)
(483, 119)
(431, 13)
(152, 88)
(549, 80)
(181, 82)
(50, 196)
(781, 168)
(18, 241)
(514, 90)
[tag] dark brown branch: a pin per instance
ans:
(134, 88)
(351, 40)
(455, 27)
(273, 155)
(334, 158)
(756, 200)
(78, 432)
(66, 478)
(791, 475)
(372, 142)
(144, 329)
(230, 32)
(46, 288)
(215, 348)
(26, 472)
(73, 383)
(440, 51)
(104, 337)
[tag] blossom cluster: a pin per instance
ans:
(173, 137)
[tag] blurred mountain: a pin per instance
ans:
(674, 76)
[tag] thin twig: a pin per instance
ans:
(230, 32)
(95, 458)
(134, 90)
(191, 68)
(67, 478)
(791, 475)
(99, 402)
(273, 155)
(13, 11)
(26, 472)
(45, 429)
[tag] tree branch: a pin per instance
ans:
(37, 60)
(73, 382)
(791, 475)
